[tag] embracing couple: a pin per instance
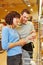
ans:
(17, 34)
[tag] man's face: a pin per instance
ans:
(24, 17)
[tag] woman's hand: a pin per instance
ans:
(22, 42)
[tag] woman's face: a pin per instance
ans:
(16, 21)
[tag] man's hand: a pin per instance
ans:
(31, 37)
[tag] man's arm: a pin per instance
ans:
(32, 34)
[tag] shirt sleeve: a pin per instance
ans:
(32, 32)
(4, 39)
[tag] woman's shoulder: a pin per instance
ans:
(5, 28)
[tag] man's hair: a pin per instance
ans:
(9, 17)
(25, 10)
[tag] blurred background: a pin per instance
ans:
(18, 5)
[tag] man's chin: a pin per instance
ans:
(24, 22)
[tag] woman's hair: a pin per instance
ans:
(9, 17)
(25, 10)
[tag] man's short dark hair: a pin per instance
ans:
(25, 10)
(9, 17)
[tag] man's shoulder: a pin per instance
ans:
(29, 23)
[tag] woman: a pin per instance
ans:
(10, 39)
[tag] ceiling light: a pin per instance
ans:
(6, 10)
(29, 5)
(31, 9)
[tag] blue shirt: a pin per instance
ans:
(10, 36)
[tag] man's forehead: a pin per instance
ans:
(26, 14)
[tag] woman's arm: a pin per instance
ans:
(6, 45)
(21, 42)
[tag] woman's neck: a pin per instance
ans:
(11, 26)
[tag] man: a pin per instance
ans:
(26, 31)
